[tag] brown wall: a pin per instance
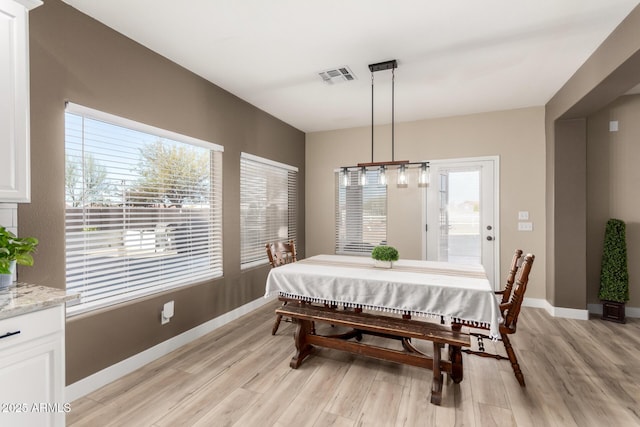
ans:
(75, 58)
(613, 69)
(570, 214)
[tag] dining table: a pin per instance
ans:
(348, 291)
(434, 289)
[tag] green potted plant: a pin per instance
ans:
(614, 276)
(14, 250)
(384, 255)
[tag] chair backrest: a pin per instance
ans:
(511, 277)
(281, 253)
(511, 310)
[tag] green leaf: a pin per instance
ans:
(24, 259)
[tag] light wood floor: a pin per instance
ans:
(578, 373)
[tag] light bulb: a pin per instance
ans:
(345, 177)
(423, 178)
(402, 176)
(382, 176)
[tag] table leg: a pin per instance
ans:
(436, 385)
(455, 356)
(303, 348)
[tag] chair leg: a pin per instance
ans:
(513, 359)
(276, 325)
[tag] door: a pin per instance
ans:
(461, 213)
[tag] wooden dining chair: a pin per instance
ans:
(280, 253)
(511, 277)
(510, 311)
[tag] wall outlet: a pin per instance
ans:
(167, 313)
(525, 226)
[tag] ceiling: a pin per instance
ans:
(454, 57)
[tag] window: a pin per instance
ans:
(143, 209)
(361, 214)
(268, 200)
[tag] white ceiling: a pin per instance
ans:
(454, 57)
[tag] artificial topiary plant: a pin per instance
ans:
(614, 276)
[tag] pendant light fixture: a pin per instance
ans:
(345, 177)
(382, 167)
(382, 175)
(423, 177)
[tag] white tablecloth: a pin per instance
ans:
(421, 288)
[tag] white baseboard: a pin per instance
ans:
(569, 313)
(537, 303)
(573, 313)
(101, 378)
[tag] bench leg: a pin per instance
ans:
(436, 385)
(303, 348)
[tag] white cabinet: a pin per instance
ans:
(32, 369)
(15, 168)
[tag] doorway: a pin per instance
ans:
(461, 213)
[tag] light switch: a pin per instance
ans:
(525, 226)
(522, 215)
(613, 126)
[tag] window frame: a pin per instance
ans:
(260, 257)
(214, 213)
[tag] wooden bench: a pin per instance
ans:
(389, 327)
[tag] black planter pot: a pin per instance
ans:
(613, 311)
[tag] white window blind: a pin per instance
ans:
(361, 214)
(268, 200)
(143, 209)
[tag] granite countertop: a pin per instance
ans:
(24, 298)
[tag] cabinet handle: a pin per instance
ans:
(9, 334)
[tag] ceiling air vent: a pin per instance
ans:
(337, 75)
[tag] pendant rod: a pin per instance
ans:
(372, 117)
(383, 66)
(393, 84)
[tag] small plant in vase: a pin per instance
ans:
(14, 250)
(384, 256)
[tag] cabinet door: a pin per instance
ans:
(14, 103)
(31, 377)
(32, 369)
